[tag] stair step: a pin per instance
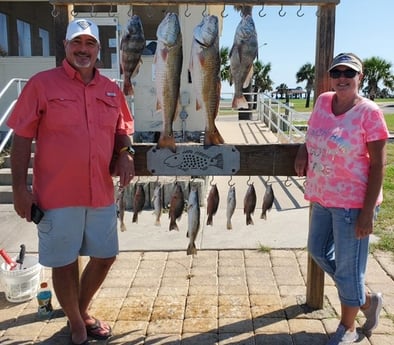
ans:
(6, 195)
(6, 177)
(7, 161)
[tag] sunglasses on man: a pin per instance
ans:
(347, 73)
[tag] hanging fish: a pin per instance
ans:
(205, 74)
(242, 54)
(131, 46)
(177, 204)
(231, 203)
(212, 203)
(249, 204)
(120, 208)
(193, 213)
(157, 202)
(168, 67)
(268, 201)
(139, 201)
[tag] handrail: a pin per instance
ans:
(4, 117)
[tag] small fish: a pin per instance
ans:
(168, 67)
(131, 46)
(120, 208)
(242, 54)
(212, 203)
(249, 204)
(268, 201)
(193, 213)
(231, 203)
(194, 160)
(157, 202)
(177, 204)
(204, 70)
(139, 201)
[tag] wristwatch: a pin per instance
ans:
(127, 149)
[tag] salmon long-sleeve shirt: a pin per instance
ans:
(74, 126)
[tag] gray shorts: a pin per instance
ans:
(66, 233)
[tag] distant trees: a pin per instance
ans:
(307, 73)
(377, 70)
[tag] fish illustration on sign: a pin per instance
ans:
(189, 160)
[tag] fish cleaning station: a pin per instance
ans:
(175, 104)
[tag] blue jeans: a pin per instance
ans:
(333, 245)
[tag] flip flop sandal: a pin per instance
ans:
(97, 331)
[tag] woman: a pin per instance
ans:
(343, 158)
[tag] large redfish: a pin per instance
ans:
(205, 73)
(168, 68)
(242, 54)
(131, 46)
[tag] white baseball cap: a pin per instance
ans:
(82, 27)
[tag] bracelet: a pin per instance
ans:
(127, 149)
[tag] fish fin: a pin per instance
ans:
(248, 78)
(209, 220)
(249, 220)
(167, 141)
(229, 225)
(263, 215)
(240, 103)
(136, 69)
(123, 227)
(135, 217)
(191, 249)
(173, 225)
(213, 137)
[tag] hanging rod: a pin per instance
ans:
(199, 2)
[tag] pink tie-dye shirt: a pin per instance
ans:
(338, 160)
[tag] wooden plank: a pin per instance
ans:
(255, 160)
(201, 2)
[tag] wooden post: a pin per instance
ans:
(324, 54)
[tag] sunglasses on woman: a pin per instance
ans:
(347, 73)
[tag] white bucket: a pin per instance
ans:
(21, 284)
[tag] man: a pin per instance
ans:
(78, 119)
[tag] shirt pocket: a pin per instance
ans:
(62, 112)
(108, 113)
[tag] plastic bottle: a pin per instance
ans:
(8, 259)
(44, 299)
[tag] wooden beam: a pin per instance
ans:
(200, 2)
(254, 160)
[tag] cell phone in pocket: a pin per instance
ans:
(36, 214)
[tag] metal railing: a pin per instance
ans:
(13, 95)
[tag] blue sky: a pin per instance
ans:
(364, 27)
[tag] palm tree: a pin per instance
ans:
(224, 64)
(307, 72)
(281, 90)
(261, 80)
(377, 70)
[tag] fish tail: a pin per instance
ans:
(229, 225)
(210, 220)
(249, 220)
(263, 214)
(240, 102)
(167, 141)
(128, 89)
(123, 227)
(213, 137)
(173, 225)
(157, 222)
(135, 217)
(219, 160)
(191, 249)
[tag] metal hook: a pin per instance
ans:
(299, 14)
(222, 13)
(130, 11)
(110, 13)
(74, 13)
(248, 181)
(229, 181)
(288, 183)
(205, 13)
(54, 12)
(211, 182)
(149, 14)
(318, 12)
(281, 12)
(261, 14)
(92, 11)
(187, 13)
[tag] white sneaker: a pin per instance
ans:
(343, 337)
(372, 313)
